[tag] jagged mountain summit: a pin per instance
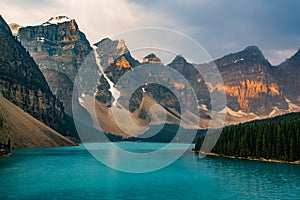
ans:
(250, 86)
(111, 50)
(23, 84)
(152, 58)
(288, 74)
(115, 61)
(59, 48)
(14, 28)
(57, 20)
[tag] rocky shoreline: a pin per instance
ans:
(5, 149)
(6, 154)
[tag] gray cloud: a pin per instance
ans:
(230, 25)
(221, 27)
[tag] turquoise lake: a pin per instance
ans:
(72, 173)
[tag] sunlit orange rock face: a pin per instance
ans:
(123, 63)
(250, 82)
(179, 85)
(250, 90)
(73, 25)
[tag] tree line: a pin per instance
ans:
(275, 138)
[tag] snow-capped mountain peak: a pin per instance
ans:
(57, 20)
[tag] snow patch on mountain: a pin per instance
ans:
(227, 110)
(241, 59)
(203, 107)
(57, 20)
(292, 107)
(114, 92)
(40, 39)
(81, 102)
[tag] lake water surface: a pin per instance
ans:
(72, 173)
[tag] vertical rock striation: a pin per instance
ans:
(22, 83)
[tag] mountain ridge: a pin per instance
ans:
(253, 87)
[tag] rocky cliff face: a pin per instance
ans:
(116, 60)
(59, 48)
(249, 84)
(61, 86)
(22, 83)
(194, 78)
(288, 74)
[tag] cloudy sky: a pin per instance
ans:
(221, 27)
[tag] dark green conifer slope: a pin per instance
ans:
(275, 138)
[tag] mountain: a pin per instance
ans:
(250, 86)
(191, 74)
(25, 131)
(59, 48)
(254, 88)
(288, 74)
(115, 60)
(23, 84)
